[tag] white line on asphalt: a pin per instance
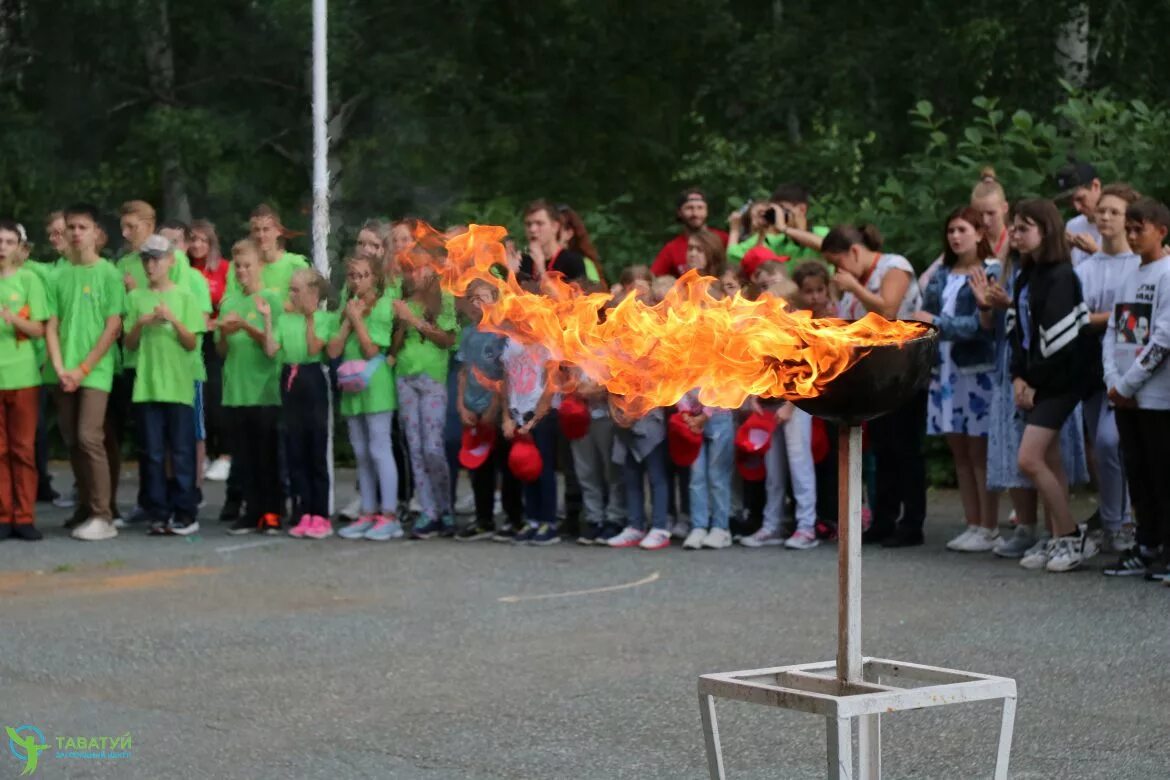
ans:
(246, 546)
(644, 581)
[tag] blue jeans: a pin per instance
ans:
(540, 497)
(653, 466)
(163, 428)
(711, 474)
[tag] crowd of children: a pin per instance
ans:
(233, 367)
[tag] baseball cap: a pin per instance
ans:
(524, 460)
(756, 257)
(689, 194)
(155, 246)
(478, 441)
(574, 417)
(682, 443)
(1072, 176)
(752, 441)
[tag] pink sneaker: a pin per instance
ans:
(321, 528)
(301, 529)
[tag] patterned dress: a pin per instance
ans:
(959, 402)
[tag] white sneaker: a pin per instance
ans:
(763, 538)
(1066, 554)
(629, 537)
(1037, 556)
(957, 543)
(219, 469)
(717, 539)
(802, 540)
(657, 539)
(979, 540)
(680, 529)
(695, 539)
(352, 510)
(95, 530)
(465, 505)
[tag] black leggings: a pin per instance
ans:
(896, 439)
(255, 458)
(304, 389)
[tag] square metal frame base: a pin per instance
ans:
(885, 687)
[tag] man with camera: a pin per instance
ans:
(692, 213)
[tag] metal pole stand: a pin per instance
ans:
(853, 687)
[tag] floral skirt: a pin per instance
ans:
(959, 403)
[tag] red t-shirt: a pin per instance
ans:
(216, 280)
(672, 258)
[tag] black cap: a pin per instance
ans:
(1073, 176)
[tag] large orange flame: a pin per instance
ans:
(650, 356)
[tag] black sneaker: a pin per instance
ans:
(1131, 564)
(1159, 570)
(877, 535)
(544, 535)
(5, 531)
(505, 533)
(46, 495)
(231, 511)
(608, 531)
(903, 539)
(243, 525)
(157, 528)
(524, 535)
(184, 526)
(26, 532)
(473, 533)
(589, 534)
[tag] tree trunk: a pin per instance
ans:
(1072, 45)
(155, 30)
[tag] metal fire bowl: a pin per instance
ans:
(881, 380)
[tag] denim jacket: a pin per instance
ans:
(973, 347)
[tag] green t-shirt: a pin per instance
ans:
(196, 284)
(250, 377)
(47, 273)
(380, 394)
(82, 298)
(275, 275)
(290, 335)
(21, 293)
(420, 355)
(165, 371)
(778, 243)
(181, 273)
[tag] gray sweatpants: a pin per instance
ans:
(602, 490)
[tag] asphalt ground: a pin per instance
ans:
(257, 657)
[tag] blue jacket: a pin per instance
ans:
(973, 347)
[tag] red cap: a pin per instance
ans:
(524, 460)
(757, 256)
(682, 443)
(751, 443)
(478, 441)
(574, 417)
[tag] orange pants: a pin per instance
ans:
(18, 462)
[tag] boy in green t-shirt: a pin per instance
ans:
(162, 322)
(86, 300)
(23, 311)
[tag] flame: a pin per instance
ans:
(650, 356)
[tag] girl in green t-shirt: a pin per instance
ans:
(23, 312)
(425, 334)
(361, 339)
(251, 389)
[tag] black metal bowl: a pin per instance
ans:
(881, 380)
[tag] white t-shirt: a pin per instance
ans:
(852, 309)
(1101, 275)
(524, 368)
(1081, 224)
(1137, 340)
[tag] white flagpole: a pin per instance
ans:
(320, 142)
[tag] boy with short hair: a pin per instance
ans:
(1137, 342)
(85, 306)
(23, 311)
(162, 322)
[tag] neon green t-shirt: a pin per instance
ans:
(291, 336)
(165, 371)
(181, 273)
(197, 285)
(21, 293)
(82, 298)
(275, 275)
(778, 243)
(250, 377)
(47, 273)
(420, 355)
(380, 394)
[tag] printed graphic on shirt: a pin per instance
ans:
(1132, 322)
